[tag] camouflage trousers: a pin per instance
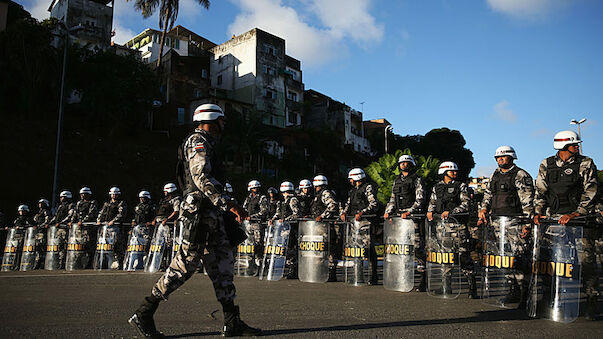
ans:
(335, 244)
(513, 244)
(292, 246)
(590, 271)
(61, 236)
(419, 244)
(40, 248)
(457, 235)
(208, 242)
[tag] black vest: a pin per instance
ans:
(23, 221)
(165, 207)
(110, 212)
(43, 215)
(253, 204)
(143, 213)
(564, 185)
(284, 209)
(447, 196)
(358, 199)
(82, 209)
(63, 211)
(305, 204)
(318, 207)
(405, 190)
(505, 199)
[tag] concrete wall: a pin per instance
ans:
(96, 19)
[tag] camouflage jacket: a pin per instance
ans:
(288, 209)
(463, 207)
(199, 149)
(419, 193)
(113, 211)
(324, 204)
(63, 213)
(144, 212)
(361, 199)
(23, 221)
(43, 217)
(84, 211)
(588, 178)
(263, 207)
(525, 190)
(167, 206)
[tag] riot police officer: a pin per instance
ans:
(566, 188)
(255, 204)
(362, 200)
(449, 197)
(205, 229)
(144, 212)
(510, 192)
(408, 197)
(62, 216)
(324, 206)
(24, 219)
(114, 212)
(41, 221)
(305, 197)
(230, 191)
(86, 210)
(274, 201)
(289, 210)
(169, 205)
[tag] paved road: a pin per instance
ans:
(90, 304)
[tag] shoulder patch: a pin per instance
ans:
(199, 147)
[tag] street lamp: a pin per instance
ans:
(55, 178)
(388, 128)
(579, 122)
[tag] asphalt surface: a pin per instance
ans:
(89, 304)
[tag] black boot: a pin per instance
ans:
(292, 272)
(374, 276)
(143, 321)
(332, 275)
(514, 293)
(234, 326)
(422, 283)
(472, 286)
(523, 296)
(592, 309)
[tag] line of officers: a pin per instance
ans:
(566, 188)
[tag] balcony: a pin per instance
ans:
(295, 85)
(293, 105)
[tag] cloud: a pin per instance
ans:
(122, 34)
(526, 9)
(316, 42)
(484, 171)
(503, 112)
(38, 9)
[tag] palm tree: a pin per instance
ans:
(168, 13)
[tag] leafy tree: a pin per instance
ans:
(384, 171)
(168, 13)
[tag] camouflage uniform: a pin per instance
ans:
(257, 207)
(115, 211)
(86, 211)
(325, 206)
(62, 218)
(408, 195)
(289, 210)
(41, 220)
(579, 175)
(305, 204)
(202, 215)
(453, 197)
(511, 193)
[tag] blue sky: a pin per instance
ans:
(500, 71)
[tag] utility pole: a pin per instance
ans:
(388, 128)
(579, 122)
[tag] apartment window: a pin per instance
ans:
(177, 43)
(269, 94)
(204, 73)
(292, 119)
(269, 49)
(219, 80)
(292, 96)
(196, 93)
(220, 59)
(268, 70)
(156, 38)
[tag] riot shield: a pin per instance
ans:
(356, 248)
(12, 249)
(443, 261)
(245, 265)
(55, 247)
(275, 251)
(177, 239)
(105, 246)
(501, 262)
(28, 255)
(313, 249)
(555, 283)
(138, 242)
(158, 247)
(398, 264)
(77, 258)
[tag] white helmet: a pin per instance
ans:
(504, 151)
(305, 184)
(144, 194)
(170, 188)
(208, 112)
(320, 180)
(287, 186)
(407, 158)
(565, 138)
(253, 184)
(447, 166)
(228, 188)
(66, 194)
(356, 174)
(44, 201)
(114, 190)
(85, 190)
(23, 208)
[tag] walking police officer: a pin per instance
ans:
(205, 232)
(566, 188)
(408, 197)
